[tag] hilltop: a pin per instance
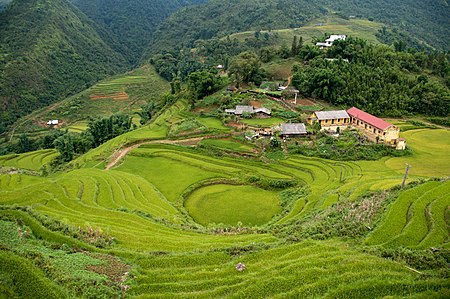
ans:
(426, 22)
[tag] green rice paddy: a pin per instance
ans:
(231, 205)
(227, 144)
(184, 218)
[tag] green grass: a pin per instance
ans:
(212, 123)
(430, 156)
(263, 122)
(144, 204)
(31, 160)
(230, 205)
(169, 176)
(140, 85)
(227, 144)
(330, 24)
(311, 269)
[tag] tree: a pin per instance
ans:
(284, 51)
(24, 144)
(147, 112)
(202, 83)
(64, 144)
(246, 67)
(294, 47)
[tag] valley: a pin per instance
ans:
(211, 149)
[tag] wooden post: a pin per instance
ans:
(406, 174)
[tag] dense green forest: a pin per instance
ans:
(377, 79)
(131, 22)
(48, 50)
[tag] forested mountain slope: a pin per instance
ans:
(428, 21)
(48, 49)
(219, 18)
(132, 22)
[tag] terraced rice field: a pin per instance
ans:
(306, 270)
(174, 210)
(416, 219)
(227, 144)
(31, 161)
(232, 205)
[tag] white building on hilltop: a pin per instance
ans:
(329, 41)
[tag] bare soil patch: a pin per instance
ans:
(255, 104)
(115, 96)
(305, 102)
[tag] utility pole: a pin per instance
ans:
(406, 174)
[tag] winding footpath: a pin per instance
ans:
(121, 153)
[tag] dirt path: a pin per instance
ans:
(289, 81)
(120, 154)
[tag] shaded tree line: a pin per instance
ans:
(70, 144)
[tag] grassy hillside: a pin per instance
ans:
(319, 27)
(48, 50)
(427, 21)
(122, 93)
(424, 23)
(184, 217)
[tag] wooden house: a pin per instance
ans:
(331, 120)
(376, 129)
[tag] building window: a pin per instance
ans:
(332, 121)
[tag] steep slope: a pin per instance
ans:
(131, 21)
(219, 18)
(424, 21)
(48, 49)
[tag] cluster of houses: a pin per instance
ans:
(374, 128)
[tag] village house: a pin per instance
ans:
(376, 129)
(331, 121)
(257, 112)
(329, 41)
(293, 130)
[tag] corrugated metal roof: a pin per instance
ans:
(262, 109)
(369, 118)
(291, 129)
(334, 114)
(244, 109)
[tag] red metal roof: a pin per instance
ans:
(368, 118)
